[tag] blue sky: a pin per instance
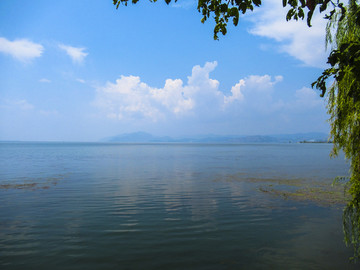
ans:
(82, 70)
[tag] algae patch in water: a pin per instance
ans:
(324, 193)
(28, 183)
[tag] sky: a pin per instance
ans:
(84, 70)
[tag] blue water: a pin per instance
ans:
(165, 206)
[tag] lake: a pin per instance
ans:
(166, 206)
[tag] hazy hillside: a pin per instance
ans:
(143, 137)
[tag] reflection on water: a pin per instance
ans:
(166, 207)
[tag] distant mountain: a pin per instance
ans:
(301, 137)
(137, 137)
(143, 137)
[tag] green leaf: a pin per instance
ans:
(224, 8)
(309, 16)
(290, 14)
(243, 7)
(301, 13)
(257, 2)
(323, 6)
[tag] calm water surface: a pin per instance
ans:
(165, 206)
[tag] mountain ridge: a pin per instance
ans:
(144, 137)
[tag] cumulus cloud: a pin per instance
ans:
(306, 98)
(129, 98)
(236, 92)
(294, 37)
(22, 49)
(77, 54)
(252, 104)
(254, 93)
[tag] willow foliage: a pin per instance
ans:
(344, 107)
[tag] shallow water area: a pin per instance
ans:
(166, 206)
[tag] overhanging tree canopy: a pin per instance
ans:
(225, 10)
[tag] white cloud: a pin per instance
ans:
(80, 80)
(17, 104)
(129, 98)
(294, 37)
(199, 104)
(254, 93)
(22, 49)
(77, 54)
(24, 105)
(236, 92)
(306, 98)
(44, 80)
